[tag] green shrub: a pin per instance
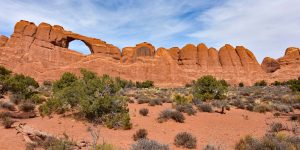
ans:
(66, 80)
(146, 144)
(95, 98)
(4, 71)
(260, 83)
(140, 134)
(27, 107)
(276, 83)
(179, 99)
(185, 140)
(205, 107)
(171, 114)
(117, 121)
(144, 111)
(208, 87)
(145, 84)
(58, 144)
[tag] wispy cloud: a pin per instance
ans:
(266, 27)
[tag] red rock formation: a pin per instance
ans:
(42, 52)
(3, 40)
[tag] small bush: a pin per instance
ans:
(276, 127)
(146, 144)
(185, 140)
(241, 84)
(260, 83)
(27, 107)
(205, 108)
(140, 134)
(211, 147)
(179, 99)
(276, 83)
(105, 146)
(170, 114)
(7, 122)
(58, 144)
(186, 109)
(262, 108)
(8, 105)
(144, 111)
(117, 121)
(16, 98)
(154, 102)
(145, 84)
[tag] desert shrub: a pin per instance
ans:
(117, 121)
(207, 88)
(8, 105)
(58, 144)
(283, 108)
(262, 108)
(179, 99)
(105, 146)
(144, 111)
(185, 140)
(211, 147)
(95, 99)
(188, 108)
(276, 83)
(47, 83)
(145, 144)
(260, 83)
(27, 107)
(171, 114)
(154, 102)
(142, 99)
(205, 107)
(16, 98)
(37, 99)
(269, 141)
(276, 127)
(4, 71)
(294, 85)
(140, 134)
(224, 83)
(241, 84)
(7, 122)
(145, 84)
(66, 80)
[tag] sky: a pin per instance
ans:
(266, 27)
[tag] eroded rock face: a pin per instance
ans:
(42, 52)
(270, 65)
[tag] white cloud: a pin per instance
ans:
(265, 27)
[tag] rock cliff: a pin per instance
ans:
(42, 52)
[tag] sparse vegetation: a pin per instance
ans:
(185, 140)
(261, 83)
(145, 84)
(146, 144)
(144, 111)
(171, 114)
(27, 107)
(7, 122)
(241, 84)
(140, 134)
(205, 107)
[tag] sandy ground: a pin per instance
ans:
(209, 128)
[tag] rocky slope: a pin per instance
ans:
(42, 52)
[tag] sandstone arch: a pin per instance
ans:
(79, 46)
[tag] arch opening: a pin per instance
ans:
(79, 46)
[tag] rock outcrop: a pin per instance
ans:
(42, 52)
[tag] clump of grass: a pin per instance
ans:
(144, 111)
(145, 144)
(140, 134)
(171, 114)
(262, 108)
(211, 147)
(205, 107)
(185, 140)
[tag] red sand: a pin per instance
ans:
(209, 128)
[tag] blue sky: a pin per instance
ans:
(267, 27)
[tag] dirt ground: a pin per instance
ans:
(223, 130)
